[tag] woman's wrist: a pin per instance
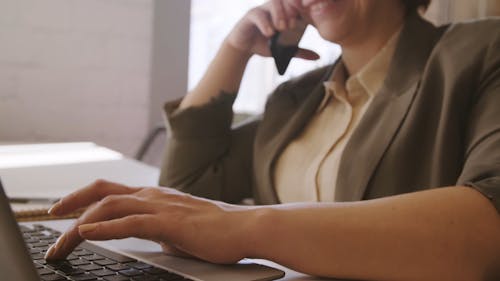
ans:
(236, 53)
(258, 231)
(224, 74)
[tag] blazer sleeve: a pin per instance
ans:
(204, 156)
(482, 141)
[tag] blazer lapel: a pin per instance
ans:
(385, 115)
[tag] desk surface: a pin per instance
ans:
(50, 170)
(55, 181)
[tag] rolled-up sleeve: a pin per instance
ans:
(204, 156)
(482, 159)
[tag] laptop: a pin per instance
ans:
(23, 246)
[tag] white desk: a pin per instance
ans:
(54, 170)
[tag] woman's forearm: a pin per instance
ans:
(223, 74)
(442, 234)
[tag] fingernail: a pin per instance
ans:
(54, 208)
(54, 248)
(87, 227)
(50, 252)
(60, 241)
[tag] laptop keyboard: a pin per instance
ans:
(87, 262)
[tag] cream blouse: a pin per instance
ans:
(307, 169)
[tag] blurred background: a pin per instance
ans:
(100, 70)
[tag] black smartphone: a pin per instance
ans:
(284, 45)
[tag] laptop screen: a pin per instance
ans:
(15, 262)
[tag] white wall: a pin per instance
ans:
(445, 11)
(73, 70)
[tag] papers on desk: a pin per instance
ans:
(37, 212)
(53, 170)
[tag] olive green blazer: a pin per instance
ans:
(434, 123)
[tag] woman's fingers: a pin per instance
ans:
(139, 226)
(111, 207)
(88, 195)
(262, 20)
(252, 32)
(292, 9)
(143, 226)
(189, 224)
(279, 15)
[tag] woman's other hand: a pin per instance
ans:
(252, 33)
(182, 224)
(249, 36)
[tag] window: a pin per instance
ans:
(212, 20)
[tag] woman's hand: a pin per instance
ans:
(181, 223)
(250, 36)
(252, 32)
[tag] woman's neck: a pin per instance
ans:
(356, 55)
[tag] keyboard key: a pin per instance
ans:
(31, 240)
(43, 271)
(155, 271)
(93, 257)
(103, 272)
(71, 272)
(104, 262)
(43, 249)
(41, 262)
(146, 278)
(51, 241)
(37, 256)
(72, 257)
(78, 262)
(84, 277)
(48, 238)
(116, 278)
(139, 265)
(130, 272)
(58, 264)
(65, 267)
(52, 277)
(35, 251)
(90, 267)
(117, 267)
(82, 252)
(40, 244)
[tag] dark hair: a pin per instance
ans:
(415, 5)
